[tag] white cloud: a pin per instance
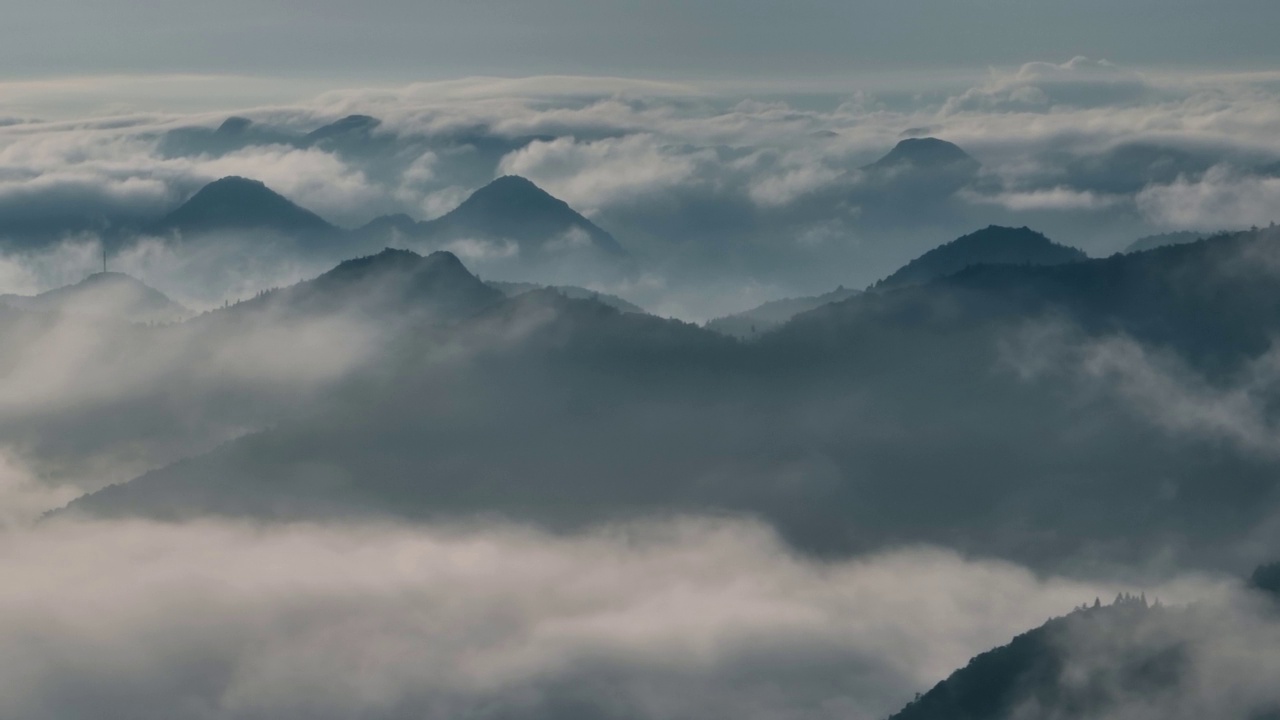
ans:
(1062, 199)
(1222, 198)
(1042, 86)
(672, 619)
(589, 175)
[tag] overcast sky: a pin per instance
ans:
(398, 40)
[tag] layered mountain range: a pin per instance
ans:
(976, 363)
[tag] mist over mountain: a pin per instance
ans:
(767, 316)
(513, 208)
(511, 289)
(1151, 242)
(525, 398)
(104, 294)
(991, 246)
(384, 287)
(240, 204)
(977, 364)
(1133, 655)
(923, 154)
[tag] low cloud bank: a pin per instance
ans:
(656, 619)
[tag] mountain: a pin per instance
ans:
(389, 226)
(1152, 242)
(390, 285)
(1200, 300)
(927, 153)
(104, 294)
(513, 208)
(232, 134)
(573, 292)
(234, 126)
(1002, 410)
(991, 246)
(240, 204)
(917, 185)
(425, 443)
(763, 318)
(352, 126)
(1084, 665)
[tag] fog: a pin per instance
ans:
(275, 441)
(709, 191)
(658, 619)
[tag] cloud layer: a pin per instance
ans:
(712, 191)
(663, 619)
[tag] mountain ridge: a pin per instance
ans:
(104, 294)
(235, 203)
(993, 245)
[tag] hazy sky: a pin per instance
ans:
(698, 39)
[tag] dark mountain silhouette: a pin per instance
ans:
(568, 411)
(927, 153)
(1121, 649)
(1202, 300)
(232, 134)
(105, 294)
(991, 246)
(763, 318)
(915, 186)
(240, 204)
(389, 286)
(1132, 166)
(1152, 242)
(234, 125)
(387, 226)
(351, 126)
(511, 289)
(513, 208)
(407, 455)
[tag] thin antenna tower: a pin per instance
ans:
(104, 258)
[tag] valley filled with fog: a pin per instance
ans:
(575, 397)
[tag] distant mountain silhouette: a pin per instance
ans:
(104, 294)
(239, 204)
(511, 289)
(886, 418)
(513, 208)
(1037, 674)
(1151, 242)
(359, 126)
(763, 318)
(991, 246)
(915, 185)
(233, 134)
(1197, 299)
(385, 286)
(234, 125)
(1129, 167)
(927, 153)
(386, 226)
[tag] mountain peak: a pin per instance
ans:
(393, 282)
(993, 245)
(239, 203)
(923, 152)
(234, 125)
(513, 207)
(509, 188)
(105, 294)
(349, 125)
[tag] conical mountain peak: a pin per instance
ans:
(921, 153)
(237, 203)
